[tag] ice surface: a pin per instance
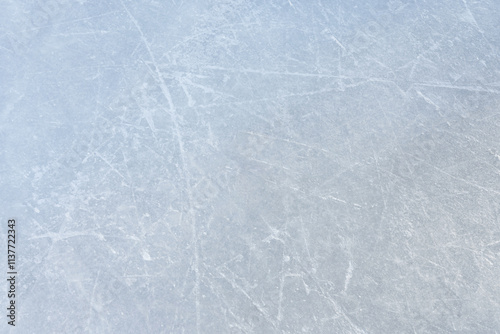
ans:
(233, 166)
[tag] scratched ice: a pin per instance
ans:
(232, 166)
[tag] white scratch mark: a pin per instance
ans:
(348, 277)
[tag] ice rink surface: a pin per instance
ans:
(280, 166)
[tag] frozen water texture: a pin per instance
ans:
(231, 166)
